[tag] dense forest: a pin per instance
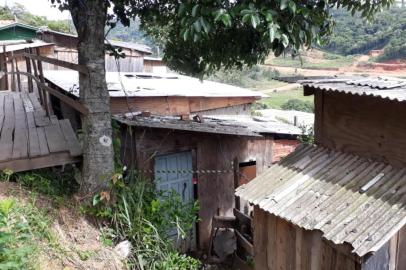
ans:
(353, 35)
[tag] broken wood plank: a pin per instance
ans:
(34, 100)
(70, 137)
(6, 137)
(43, 145)
(20, 142)
(40, 119)
(34, 144)
(55, 140)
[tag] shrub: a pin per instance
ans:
(137, 212)
(298, 105)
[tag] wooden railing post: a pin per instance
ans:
(3, 60)
(42, 80)
(13, 82)
(28, 63)
(18, 74)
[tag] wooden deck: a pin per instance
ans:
(31, 140)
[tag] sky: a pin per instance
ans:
(39, 7)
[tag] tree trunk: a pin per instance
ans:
(89, 18)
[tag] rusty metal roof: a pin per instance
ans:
(348, 198)
(240, 125)
(383, 87)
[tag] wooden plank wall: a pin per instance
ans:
(175, 105)
(367, 126)
(280, 245)
(211, 151)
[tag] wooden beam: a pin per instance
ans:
(244, 243)
(56, 159)
(65, 64)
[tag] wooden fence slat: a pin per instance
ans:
(80, 68)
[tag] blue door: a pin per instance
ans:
(173, 172)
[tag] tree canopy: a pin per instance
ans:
(202, 36)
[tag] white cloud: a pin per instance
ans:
(39, 7)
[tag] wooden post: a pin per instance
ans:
(41, 78)
(236, 169)
(4, 80)
(34, 65)
(13, 82)
(18, 74)
(28, 63)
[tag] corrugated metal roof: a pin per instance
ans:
(348, 198)
(227, 124)
(22, 46)
(151, 85)
(383, 87)
(130, 45)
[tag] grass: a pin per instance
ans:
(277, 99)
(22, 227)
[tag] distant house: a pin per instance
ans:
(339, 204)
(11, 30)
(65, 46)
(163, 94)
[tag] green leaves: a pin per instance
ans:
(204, 36)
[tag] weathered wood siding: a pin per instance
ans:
(175, 105)
(366, 126)
(210, 151)
(280, 245)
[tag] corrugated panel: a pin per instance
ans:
(387, 88)
(349, 198)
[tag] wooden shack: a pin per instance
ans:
(204, 160)
(163, 94)
(339, 204)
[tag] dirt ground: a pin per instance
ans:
(354, 69)
(79, 246)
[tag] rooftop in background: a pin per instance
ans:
(302, 118)
(151, 85)
(131, 45)
(382, 87)
(348, 198)
(16, 45)
(241, 125)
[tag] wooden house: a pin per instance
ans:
(163, 94)
(204, 158)
(66, 50)
(65, 47)
(339, 204)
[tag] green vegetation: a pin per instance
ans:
(144, 216)
(255, 78)
(328, 60)
(298, 105)
(278, 100)
(22, 227)
(353, 35)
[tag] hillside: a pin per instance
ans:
(353, 35)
